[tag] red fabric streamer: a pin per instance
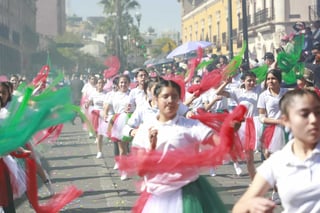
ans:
(230, 69)
(53, 132)
(20, 155)
(113, 64)
(192, 65)
(41, 76)
(212, 120)
(317, 90)
(209, 80)
(4, 175)
(141, 202)
(95, 114)
(229, 139)
(142, 162)
(250, 134)
(57, 202)
(267, 135)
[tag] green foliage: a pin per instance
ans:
(66, 58)
(151, 30)
(162, 46)
(119, 23)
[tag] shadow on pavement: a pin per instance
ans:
(92, 210)
(72, 167)
(69, 157)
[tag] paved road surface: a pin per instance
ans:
(72, 160)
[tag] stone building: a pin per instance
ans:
(268, 21)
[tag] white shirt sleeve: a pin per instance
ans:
(266, 169)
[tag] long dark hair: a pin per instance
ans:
(276, 73)
(7, 86)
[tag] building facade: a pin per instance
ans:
(267, 20)
(18, 39)
(51, 17)
(207, 20)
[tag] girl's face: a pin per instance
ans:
(4, 94)
(123, 85)
(168, 103)
(196, 81)
(14, 82)
(272, 81)
(92, 80)
(249, 82)
(100, 85)
(304, 119)
(142, 77)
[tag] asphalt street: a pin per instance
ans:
(72, 161)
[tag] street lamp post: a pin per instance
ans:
(117, 36)
(230, 29)
(245, 29)
(138, 18)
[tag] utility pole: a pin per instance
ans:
(117, 40)
(230, 29)
(245, 29)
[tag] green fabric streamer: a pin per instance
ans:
(261, 72)
(232, 68)
(16, 131)
(204, 64)
(127, 138)
(289, 77)
(298, 44)
(286, 61)
(290, 63)
(33, 114)
(53, 84)
(200, 197)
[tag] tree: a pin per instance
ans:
(151, 30)
(163, 46)
(119, 23)
(65, 55)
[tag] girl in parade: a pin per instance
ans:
(269, 112)
(215, 103)
(249, 131)
(121, 105)
(165, 132)
(273, 136)
(138, 94)
(29, 115)
(108, 117)
(87, 90)
(192, 101)
(294, 169)
(96, 101)
(147, 110)
(7, 196)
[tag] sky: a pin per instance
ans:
(162, 15)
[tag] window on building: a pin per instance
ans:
(224, 38)
(214, 39)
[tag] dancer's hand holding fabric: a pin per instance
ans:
(153, 138)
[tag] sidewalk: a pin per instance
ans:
(72, 160)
